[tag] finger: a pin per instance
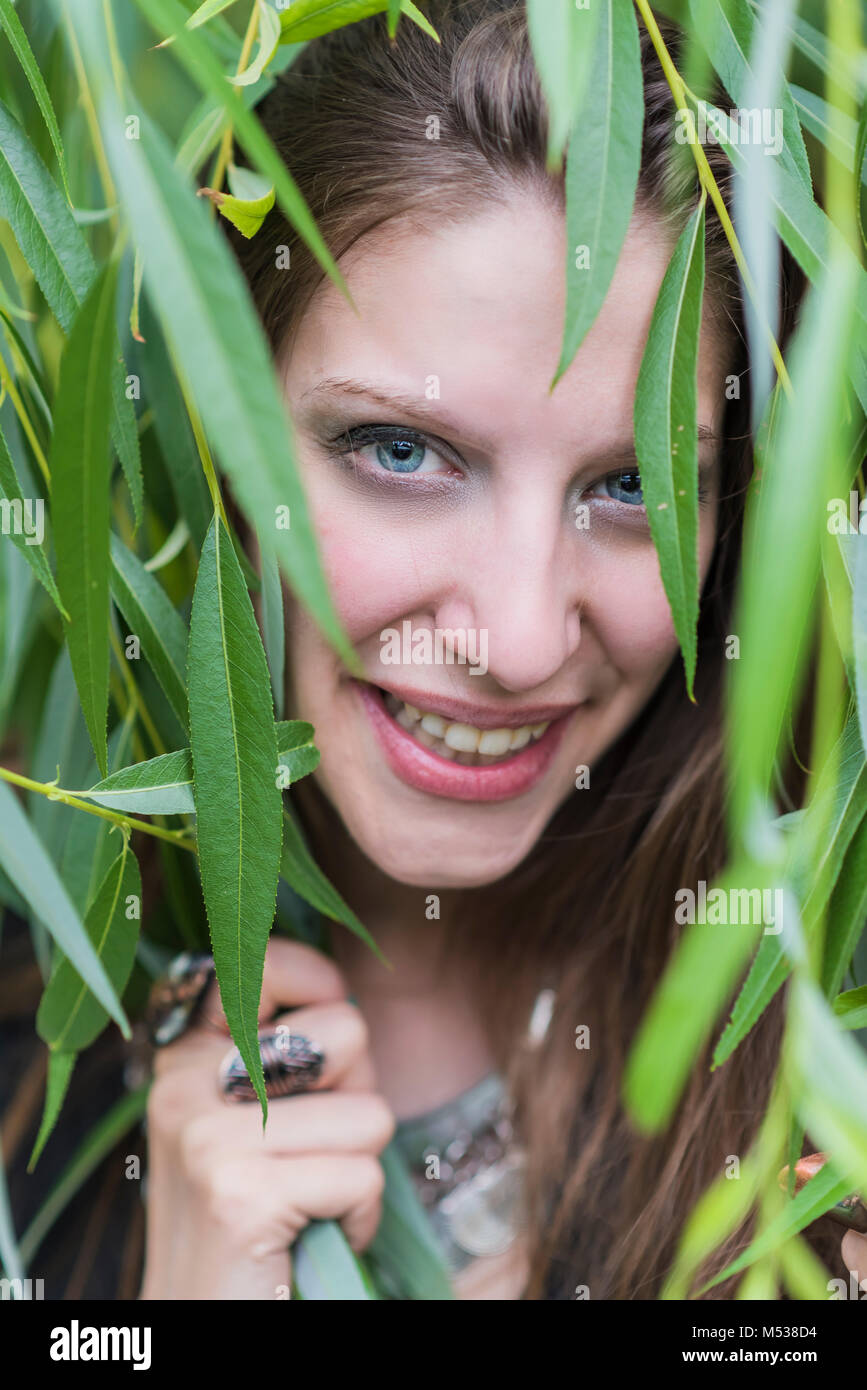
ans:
(341, 1122)
(294, 974)
(854, 1252)
(337, 1029)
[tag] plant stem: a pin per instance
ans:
(225, 151)
(26, 423)
(55, 793)
(705, 173)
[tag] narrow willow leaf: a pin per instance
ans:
(858, 166)
(207, 11)
(24, 53)
(164, 785)
(859, 630)
(804, 1275)
(719, 1210)
(101, 1139)
(394, 7)
(307, 20)
(839, 809)
(562, 39)
(324, 1265)
(602, 166)
(80, 473)
(13, 1267)
(55, 250)
(60, 1068)
(303, 874)
(274, 627)
(837, 131)
(782, 539)
(666, 432)
(725, 28)
(62, 753)
(828, 1073)
(816, 1197)
(405, 1245)
(69, 1017)
(23, 528)
(173, 430)
(698, 980)
(205, 309)
(269, 37)
(16, 632)
(238, 804)
(847, 913)
(851, 1008)
(30, 869)
(825, 56)
(207, 71)
(92, 843)
(151, 616)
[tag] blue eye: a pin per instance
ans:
(624, 487)
(401, 455)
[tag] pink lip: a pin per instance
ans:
(427, 772)
(480, 716)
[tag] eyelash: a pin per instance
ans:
(348, 442)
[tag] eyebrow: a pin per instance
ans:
(619, 452)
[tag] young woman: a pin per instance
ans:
(511, 826)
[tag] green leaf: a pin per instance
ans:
(30, 869)
(274, 627)
(80, 495)
(782, 540)
(207, 11)
(206, 70)
(197, 288)
(828, 1072)
(394, 7)
(725, 29)
(101, 1139)
(269, 37)
(24, 53)
(816, 1197)
(29, 545)
(837, 823)
(247, 213)
(699, 978)
(164, 785)
(405, 1246)
(60, 1067)
(60, 259)
(151, 616)
(851, 1008)
(666, 433)
(303, 874)
(324, 1265)
(308, 19)
(562, 40)
(858, 166)
(69, 1017)
(835, 129)
(238, 804)
(602, 166)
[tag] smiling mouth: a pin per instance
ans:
(443, 754)
(458, 742)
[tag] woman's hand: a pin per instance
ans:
(226, 1201)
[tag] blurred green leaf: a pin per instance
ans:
(24, 53)
(828, 1072)
(60, 1068)
(563, 42)
(31, 547)
(302, 873)
(324, 1265)
(851, 1008)
(405, 1247)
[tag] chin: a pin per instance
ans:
(452, 860)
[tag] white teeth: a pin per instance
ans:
(461, 743)
(435, 724)
(462, 737)
(495, 742)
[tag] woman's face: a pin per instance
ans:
(485, 519)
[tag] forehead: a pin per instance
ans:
(479, 305)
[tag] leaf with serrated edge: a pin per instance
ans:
(238, 803)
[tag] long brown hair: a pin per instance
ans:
(592, 907)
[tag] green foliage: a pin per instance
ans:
(136, 691)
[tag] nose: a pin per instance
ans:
(523, 588)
